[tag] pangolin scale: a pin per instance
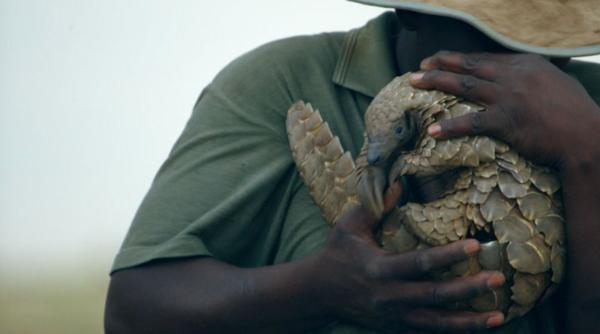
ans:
(511, 205)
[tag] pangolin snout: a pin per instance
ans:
(375, 154)
(373, 157)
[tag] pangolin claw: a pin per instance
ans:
(371, 188)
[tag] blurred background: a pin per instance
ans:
(93, 94)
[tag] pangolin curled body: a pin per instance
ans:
(511, 205)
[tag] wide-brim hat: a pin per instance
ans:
(556, 28)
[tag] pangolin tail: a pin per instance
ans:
(328, 171)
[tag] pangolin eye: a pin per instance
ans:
(399, 130)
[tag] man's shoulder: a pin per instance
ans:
(263, 83)
(578, 65)
(297, 49)
(584, 69)
(588, 74)
(306, 55)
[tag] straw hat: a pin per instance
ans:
(559, 28)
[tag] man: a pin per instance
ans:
(228, 239)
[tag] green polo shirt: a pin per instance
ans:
(229, 188)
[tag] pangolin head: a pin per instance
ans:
(392, 123)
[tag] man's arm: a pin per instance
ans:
(203, 295)
(351, 279)
(581, 189)
(549, 118)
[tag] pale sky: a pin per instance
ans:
(93, 95)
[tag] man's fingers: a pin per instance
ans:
(417, 263)
(358, 221)
(361, 221)
(430, 293)
(441, 321)
(464, 85)
(480, 65)
(484, 65)
(473, 124)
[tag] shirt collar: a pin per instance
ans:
(367, 60)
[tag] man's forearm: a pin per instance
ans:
(207, 296)
(581, 190)
(351, 279)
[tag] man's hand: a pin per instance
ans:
(548, 117)
(383, 290)
(531, 104)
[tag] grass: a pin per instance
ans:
(67, 303)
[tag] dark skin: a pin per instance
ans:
(351, 278)
(554, 124)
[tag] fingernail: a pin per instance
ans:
(417, 76)
(495, 320)
(426, 64)
(471, 248)
(434, 130)
(495, 281)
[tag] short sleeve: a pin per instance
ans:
(223, 189)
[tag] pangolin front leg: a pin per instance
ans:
(371, 188)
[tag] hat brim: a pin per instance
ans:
(484, 28)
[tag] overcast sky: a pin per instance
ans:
(93, 95)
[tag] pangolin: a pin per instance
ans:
(511, 205)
